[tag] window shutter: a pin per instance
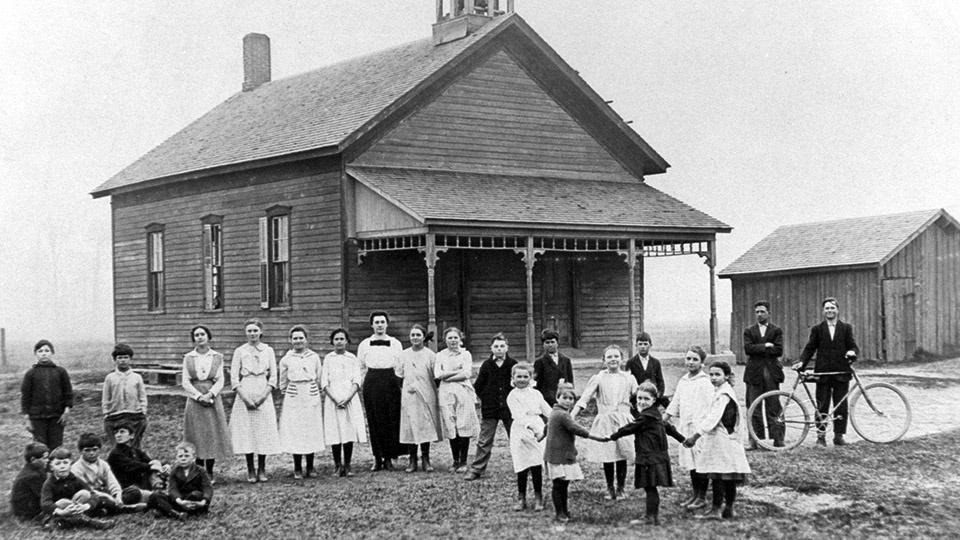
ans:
(264, 264)
(208, 266)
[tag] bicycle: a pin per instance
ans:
(879, 412)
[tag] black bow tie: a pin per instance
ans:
(379, 342)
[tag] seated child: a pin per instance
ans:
(132, 466)
(25, 495)
(65, 500)
(96, 473)
(190, 490)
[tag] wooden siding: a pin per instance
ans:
(484, 292)
(496, 119)
(795, 305)
(376, 214)
(311, 190)
(932, 261)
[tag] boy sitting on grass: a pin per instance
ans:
(96, 473)
(190, 490)
(132, 466)
(65, 500)
(25, 495)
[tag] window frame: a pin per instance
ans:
(275, 268)
(156, 267)
(212, 255)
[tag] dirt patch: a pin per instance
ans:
(794, 502)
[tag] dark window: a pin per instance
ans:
(275, 258)
(155, 282)
(212, 263)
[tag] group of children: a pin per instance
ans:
(438, 400)
(61, 492)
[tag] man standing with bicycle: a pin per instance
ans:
(763, 345)
(833, 344)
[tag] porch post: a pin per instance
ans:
(530, 259)
(430, 258)
(711, 264)
(632, 301)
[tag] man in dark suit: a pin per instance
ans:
(644, 367)
(833, 344)
(763, 345)
(551, 367)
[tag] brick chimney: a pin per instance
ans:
(256, 60)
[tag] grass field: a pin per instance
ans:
(903, 490)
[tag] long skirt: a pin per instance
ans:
(458, 410)
(301, 421)
(381, 399)
(206, 426)
(607, 452)
(254, 432)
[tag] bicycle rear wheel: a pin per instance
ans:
(880, 412)
(787, 427)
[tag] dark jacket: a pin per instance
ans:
(45, 391)
(130, 465)
(55, 489)
(548, 375)
(493, 386)
(653, 373)
(562, 432)
(25, 495)
(761, 357)
(191, 479)
(650, 436)
(830, 353)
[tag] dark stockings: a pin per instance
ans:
(261, 462)
(559, 493)
(536, 474)
(298, 459)
(700, 483)
(346, 448)
(620, 469)
(460, 447)
(653, 500)
(424, 451)
(206, 464)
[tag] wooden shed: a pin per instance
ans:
(897, 278)
(469, 179)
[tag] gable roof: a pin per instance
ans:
(322, 111)
(436, 197)
(869, 240)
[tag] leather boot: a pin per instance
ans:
(412, 466)
(520, 505)
(538, 502)
(425, 465)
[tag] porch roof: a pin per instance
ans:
(471, 198)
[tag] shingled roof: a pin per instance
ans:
(437, 196)
(323, 111)
(846, 242)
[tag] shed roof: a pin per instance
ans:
(438, 196)
(324, 109)
(845, 242)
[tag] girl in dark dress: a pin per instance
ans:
(650, 442)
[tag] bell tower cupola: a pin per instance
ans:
(457, 19)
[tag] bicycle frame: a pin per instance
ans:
(806, 378)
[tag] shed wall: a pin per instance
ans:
(932, 261)
(796, 306)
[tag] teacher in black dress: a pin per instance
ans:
(378, 355)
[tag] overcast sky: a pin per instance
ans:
(769, 113)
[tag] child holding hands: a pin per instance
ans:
(650, 443)
(527, 408)
(560, 454)
(722, 456)
(612, 389)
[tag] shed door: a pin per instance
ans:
(899, 319)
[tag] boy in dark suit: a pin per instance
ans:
(552, 367)
(833, 344)
(763, 345)
(190, 490)
(492, 387)
(644, 367)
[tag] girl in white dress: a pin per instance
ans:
(458, 401)
(611, 389)
(253, 421)
(301, 423)
(419, 413)
(528, 410)
(722, 456)
(343, 419)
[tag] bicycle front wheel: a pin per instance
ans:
(880, 412)
(778, 421)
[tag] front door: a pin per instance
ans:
(899, 319)
(557, 298)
